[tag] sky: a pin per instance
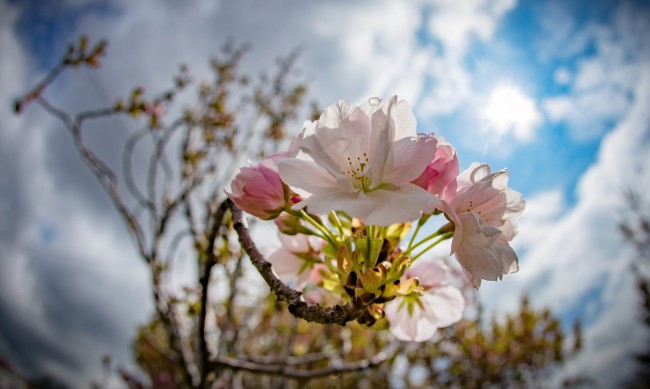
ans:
(555, 91)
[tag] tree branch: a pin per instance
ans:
(210, 261)
(165, 310)
(127, 170)
(338, 314)
(109, 182)
(102, 172)
(292, 372)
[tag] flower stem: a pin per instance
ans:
(444, 236)
(337, 222)
(421, 222)
(339, 227)
(326, 234)
(446, 229)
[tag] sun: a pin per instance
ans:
(509, 110)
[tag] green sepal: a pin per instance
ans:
(398, 267)
(290, 224)
(361, 247)
(330, 251)
(369, 249)
(373, 279)
(395, 233)
(408, 286)
(374, 251)
(391, 289)
(343, 262)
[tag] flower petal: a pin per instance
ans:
(298, 243)
(342, 132)
(285, 264)
(408, 158)
(308, 175)
(402, 204)
(354, 203)
(412, 327)
(443, 306)
(476, 252)
(404, 119)
(401, 114)
(381, 140)
(430, 273)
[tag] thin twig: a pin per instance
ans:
(36, 92)
(103, 173)
(127, 170)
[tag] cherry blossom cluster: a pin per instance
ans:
(344, 197)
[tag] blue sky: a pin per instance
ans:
(573, 129)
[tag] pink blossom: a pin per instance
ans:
(479, 190)
(441, 171)
(259, 191)
(482, 208)
(297, 258)
(434, 303)
(361, 160)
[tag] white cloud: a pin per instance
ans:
(70, 283)
(542, 213)
(561, 35)
(588, 114)
(456, 25)
(562, 76)
(580, 257)
(600, 90)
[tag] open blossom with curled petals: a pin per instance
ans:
(361, 160)
(482, 208)
(296, 259)
(259, 191)
(434, 303)
(480, 248)
(441, 171)
(486, 194)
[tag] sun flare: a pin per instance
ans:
(509, 110)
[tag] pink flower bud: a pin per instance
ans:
(441, 171)
(259, 191)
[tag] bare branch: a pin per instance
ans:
(127, 171)
(291, 372)
(210, 261)
(154, 162)
(108, 180)
(233, 277)
(165, 310)
(290, 360)
(103, 173)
